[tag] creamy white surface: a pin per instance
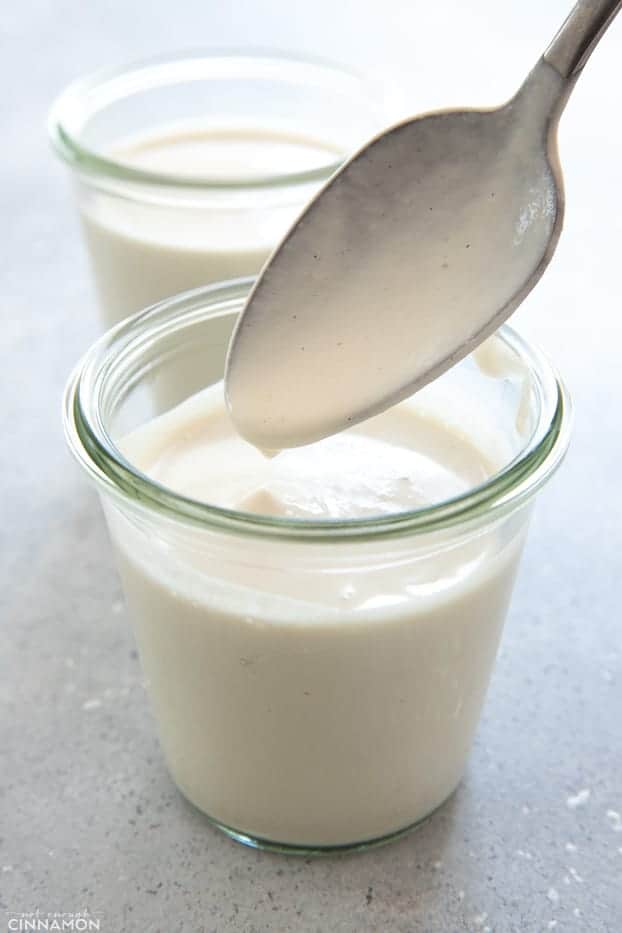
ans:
(396, 462)
(315, 695)
(190, 151)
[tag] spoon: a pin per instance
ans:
(415, 251)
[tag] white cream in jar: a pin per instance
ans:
(316, 698)
(146, 248)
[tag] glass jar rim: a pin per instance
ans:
(92, 446)
(108, 84)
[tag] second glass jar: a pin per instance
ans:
(188, 170)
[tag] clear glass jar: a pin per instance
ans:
(152, 233)
(317, 684)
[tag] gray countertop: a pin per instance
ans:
(532, 840)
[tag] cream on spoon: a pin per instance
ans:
(414, 252)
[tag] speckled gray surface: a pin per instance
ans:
(532, 839)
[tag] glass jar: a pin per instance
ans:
(317, 684)
(152, 232)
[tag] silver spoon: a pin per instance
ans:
(416, 250)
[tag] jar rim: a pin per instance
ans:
(94, 449)
(106, 85)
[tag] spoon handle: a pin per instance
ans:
(579, 35)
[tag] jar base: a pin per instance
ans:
(288, 848)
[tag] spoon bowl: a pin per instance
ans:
(416, 250)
